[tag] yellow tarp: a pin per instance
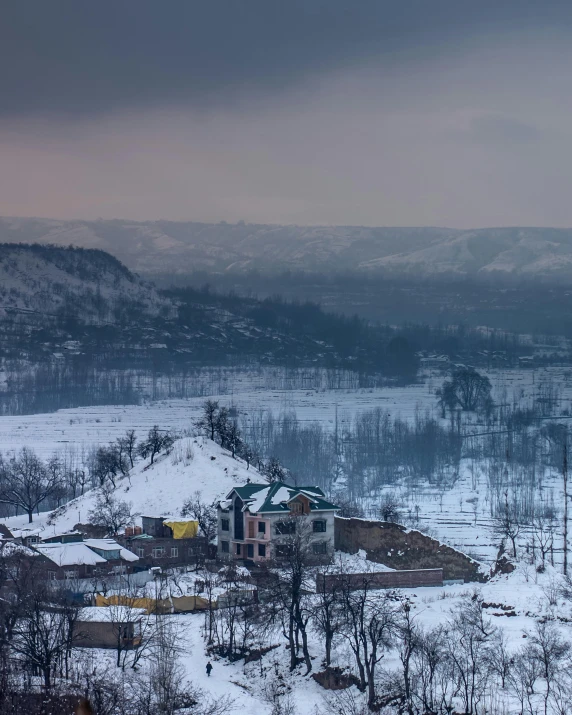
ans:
(185, 604)
(183, 529)
(149, 604)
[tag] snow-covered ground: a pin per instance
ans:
(526, 597)
(86, 426)
(196, 464)
(450, 515)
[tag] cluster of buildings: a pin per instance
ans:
(91, 564)
(255, 524)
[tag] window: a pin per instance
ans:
(320, 547)
(174, 551)
(286, 527)
(224, 547)
(158, 552)
(225, 524)
(52, 576)
(282, 550)
(261, 527)
(140, 552)
(238, 549)
(297, 507)
(250, 551)
(251, 530)
(71, 574)
(319, 525)
(262, 550)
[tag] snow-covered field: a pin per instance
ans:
(448, 515)
(527, 598)
(196, 464)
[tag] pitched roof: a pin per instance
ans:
(108, 545)
(105, 614)
(5, 532)
(275, 497)
(75, 553)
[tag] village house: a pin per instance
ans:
(166, 542)
(69, 557)
(108, 627)
(255, 522)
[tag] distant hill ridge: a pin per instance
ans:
(154, 247)
(48, 279)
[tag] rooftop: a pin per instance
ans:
(111, 545)
(275, 497)
(110, 614)
(73, 554)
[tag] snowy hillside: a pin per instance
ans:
(46, 279)
(529, 252)
(195, 464)
(163, 247)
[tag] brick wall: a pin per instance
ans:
(404, 549)
(382, 579)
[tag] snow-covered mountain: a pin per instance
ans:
(167, 247)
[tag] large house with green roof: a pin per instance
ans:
(255, 522)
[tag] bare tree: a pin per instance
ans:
(209, 418)
(467, 389)
(471, 642)
(327, 613)
(233, 437)
(205, 514)
(369, 628)
(389, 508)
(130, 441)
(507, 523)
(543, 532)
(112, 513)
(45, 631)
(549, 649)
(25, 482)
(157, 441)
(289, 599)
(106, 463)
(273, 471)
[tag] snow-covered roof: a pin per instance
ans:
(109, 614)
(25, 532)
(262, 498)
(112, 545)
(11, 548)
(62, 534)
(73, 554)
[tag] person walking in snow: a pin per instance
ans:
(209, 668)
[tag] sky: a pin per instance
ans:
(362, 112)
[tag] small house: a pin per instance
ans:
(165, 542)
(108, 627)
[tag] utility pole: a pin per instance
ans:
(565, 481)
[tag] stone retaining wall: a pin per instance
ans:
(404, 549)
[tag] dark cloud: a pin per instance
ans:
(88, 56)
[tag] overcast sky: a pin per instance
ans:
(373, 112)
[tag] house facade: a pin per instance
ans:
(166, 542)
(85, 565)
(256, 522)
